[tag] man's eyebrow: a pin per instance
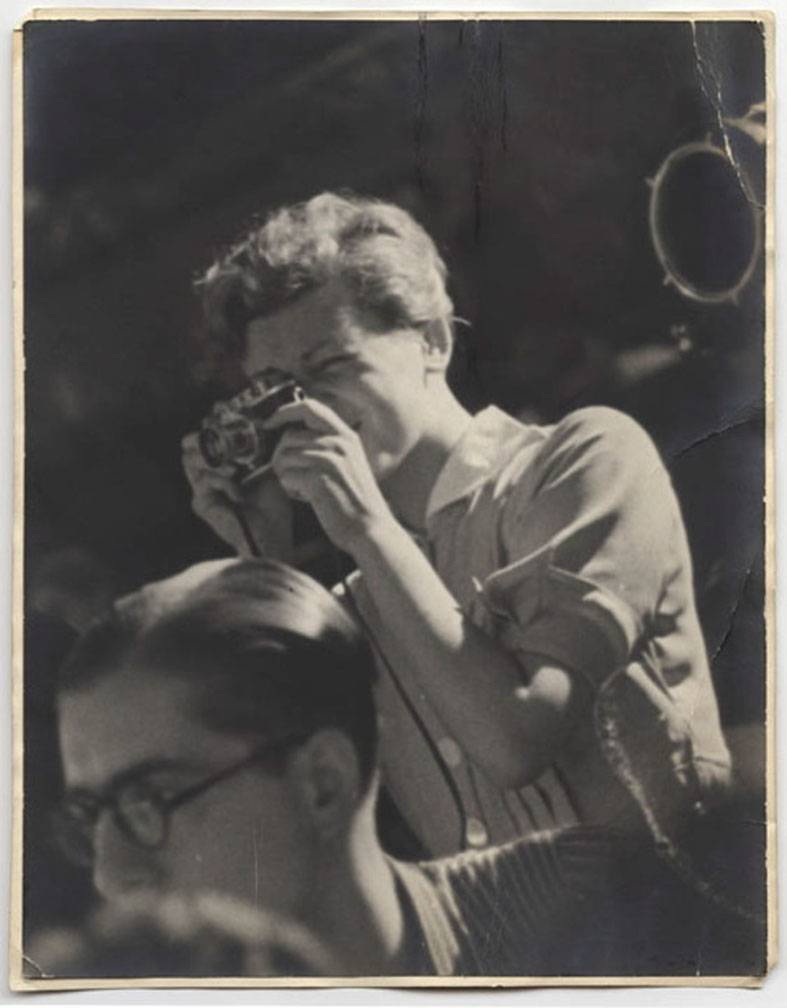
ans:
(146, 768)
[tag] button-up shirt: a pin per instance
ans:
(566, 545)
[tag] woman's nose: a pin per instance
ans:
(120, 866)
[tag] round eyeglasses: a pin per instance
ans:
(139, 809)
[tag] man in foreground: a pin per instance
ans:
(218, 736)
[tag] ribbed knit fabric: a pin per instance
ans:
(499, 912)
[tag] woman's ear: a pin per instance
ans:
(438, 344)
(326, 774)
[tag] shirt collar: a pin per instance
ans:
(488, 443)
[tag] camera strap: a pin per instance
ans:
(245, 528)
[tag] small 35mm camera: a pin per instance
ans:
(233, 433)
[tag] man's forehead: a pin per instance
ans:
(127, 719)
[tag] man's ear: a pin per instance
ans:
(438, 344)
(327, 777)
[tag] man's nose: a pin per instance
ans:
(121, 867)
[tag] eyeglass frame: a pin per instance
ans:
(163, 806)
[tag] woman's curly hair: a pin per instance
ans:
(387, 262)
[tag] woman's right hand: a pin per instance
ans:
(218, 499)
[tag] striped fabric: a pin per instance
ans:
(502, 911)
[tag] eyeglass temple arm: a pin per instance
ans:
(261, 752)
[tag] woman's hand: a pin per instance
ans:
(320, 459)
(220, 501)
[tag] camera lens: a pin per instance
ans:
(213, 446)
(242, 442)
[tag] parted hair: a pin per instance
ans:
(268, 650)
(385, 259)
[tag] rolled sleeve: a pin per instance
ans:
(589, 539)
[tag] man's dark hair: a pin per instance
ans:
(270, 652)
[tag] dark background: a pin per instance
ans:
(523, 147)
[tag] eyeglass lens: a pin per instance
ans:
(137, 811)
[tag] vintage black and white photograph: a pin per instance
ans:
(393, 541)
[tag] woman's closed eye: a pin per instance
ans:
(335, 365)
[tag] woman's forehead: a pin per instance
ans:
(326, 316)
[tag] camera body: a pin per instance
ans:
(233, 433)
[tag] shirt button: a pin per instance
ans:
(476, 834)
(450, 752)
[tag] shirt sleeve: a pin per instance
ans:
(509, 905)
(590, 530)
